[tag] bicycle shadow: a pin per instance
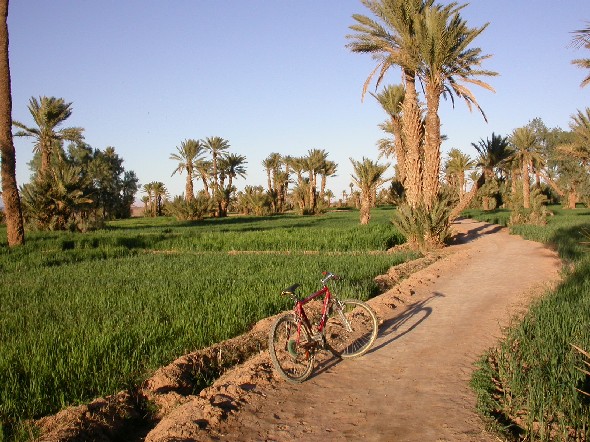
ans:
(394, 329)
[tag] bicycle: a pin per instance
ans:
(347, 328)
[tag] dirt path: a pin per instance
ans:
(414, 384)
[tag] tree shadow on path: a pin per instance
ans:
(399, 326)
(476, 232)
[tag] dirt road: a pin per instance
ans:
(414, 384)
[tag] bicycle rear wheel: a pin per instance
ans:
(292, 354)
(351, 328)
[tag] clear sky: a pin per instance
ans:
(268, 76)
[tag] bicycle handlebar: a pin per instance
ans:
(328, 276)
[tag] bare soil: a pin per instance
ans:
(438, 315)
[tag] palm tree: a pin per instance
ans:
(15, 231)
(160, 194)
(393, 42)
(526, 150)
(315, 160)
(148, 188)
(368, 177)
(49, 113)
(448, 63)
(329, 194)
(494, 155)
(582, 38)
(391, 100)
(234, 167)
(217, 146)
(457, 164)
(272, 163)
(189, 154)
(328, 169)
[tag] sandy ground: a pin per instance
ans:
(414, 384)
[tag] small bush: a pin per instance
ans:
(193, 210)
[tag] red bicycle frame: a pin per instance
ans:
(300, 312)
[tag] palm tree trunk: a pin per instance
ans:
(526, 185)
(400, 153)
(365, 210)
(572, 198)
(14, 219)
(205, 186)
(190, 193)
(45, 156)
(312, 192)
(323, 187)
(411, 136)
(468, 198)
(431, 183)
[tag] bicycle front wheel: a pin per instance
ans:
(351, 328)
(292, 353)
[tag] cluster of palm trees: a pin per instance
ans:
(311, 172)
(525, 168)
(221, 167)
(430, 43)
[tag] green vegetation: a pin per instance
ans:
(529, 384)
(85, 315)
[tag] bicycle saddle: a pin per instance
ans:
(290, 290)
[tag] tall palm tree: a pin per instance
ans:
(392, 40)
(160, 194)
(189, 153)
(582, 38)
(49, 113)
(526, 150)
(148, 188)
(448, 63)
(328, 169)
(315, 160)
(217, 146)
(272, 164)
(391, 99)
(15, 231)
(368, 176)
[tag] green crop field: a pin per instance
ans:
(86, 315)
(529, 386)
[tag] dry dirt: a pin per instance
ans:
(412, 386)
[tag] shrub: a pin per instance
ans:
(193, 210)
(424, 228)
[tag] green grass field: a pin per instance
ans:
(86, 315)
(527, 385)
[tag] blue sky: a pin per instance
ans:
(267, 75)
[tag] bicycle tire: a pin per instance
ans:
(292, 358)
(351, 328)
